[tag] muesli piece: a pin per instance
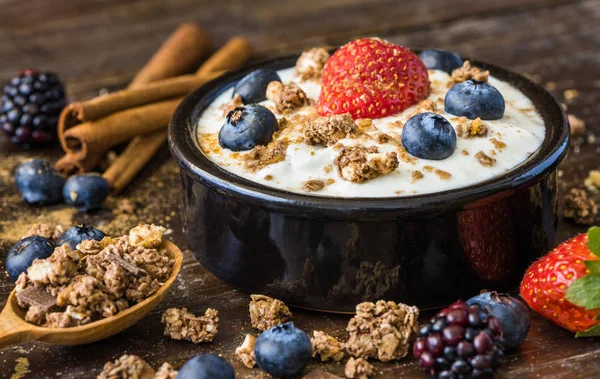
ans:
(326, 347)
(484, 159)
(580, 208)
(166, 371)
(266, 312)
(358, 369)
(87, 293)
(382, 330)
(328, 130)
(314, 185)
(127, 367)
(45, 230)
(183, 325)
(470, 128)
(311, 62)
(262, 156)
(467, 72)
(360, 163)
(246, 351)
(54, 271)
(147, 235)
(287, 97)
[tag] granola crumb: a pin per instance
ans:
(382, 330)
(484, 159)
(146, 235)
(183, 325)
(266, 312)
(470, 128)
(287, 97)
(579, 207)
(500, 145)
(262, 156)
(360, 163)
(592, 182)
(577, 125)
(127, 366)
(310, 64)
(467, 72)
(550, 86)
(126, 206)
(328, 168)
(358, 369)
(328, 130)
(326, 347)
(570, 94)
(235, 102)
(21, 368)
(314, 185)
(45, 230)
(166, 371)
(268, 177)
(246, 351)
(444, 175)
(464, 152)
(416, 175)
(428, 168)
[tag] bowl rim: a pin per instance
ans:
(183, 146)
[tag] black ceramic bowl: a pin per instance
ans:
(332, 253)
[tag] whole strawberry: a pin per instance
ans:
(564, 285)
(372, 78)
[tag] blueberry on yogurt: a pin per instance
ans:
(247, 126)
(206, 366)
(86, 192)
(474, 99)
(75, 235)
(24, 252)
(283, 351)
(429, 136)
(38, 182)
(253, 87)
(441, 60)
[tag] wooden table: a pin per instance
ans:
(95, 45)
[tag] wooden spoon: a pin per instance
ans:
(15, 330)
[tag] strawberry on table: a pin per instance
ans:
(372, 78)
(564, 285)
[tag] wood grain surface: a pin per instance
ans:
(96, 45)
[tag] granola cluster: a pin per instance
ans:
(326, 347)
(266, 312)
(132, 366)
(580, 208)
(310, 64)
(467, 72)
(382, 330)
(246, 351)
(484, 159)
(315, 185)
(327, 131)
(287, 97)
(262, 156)
(98, 280)
(358, 369)
(360, 163)
(470, 128)
(183, 325)
(45, 230)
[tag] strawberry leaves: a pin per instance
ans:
(585, 292)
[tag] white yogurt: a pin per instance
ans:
(521, 129)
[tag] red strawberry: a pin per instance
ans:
(372, 78)
(564, 285)
(487, 238)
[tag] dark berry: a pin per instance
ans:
(28, 97)
(206, 366)
(441, 60)
(247, 126)
(253, 87)
(86, 192)
(439, 324)
(459, 351)
(429, 136)
(510, 312)
(283, 351)
(38, 183)
(425, 329)
(474, 99)
(76, 234)
(24, 252)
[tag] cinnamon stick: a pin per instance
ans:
(232, 55)
(179, 54)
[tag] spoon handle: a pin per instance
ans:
(13, 330)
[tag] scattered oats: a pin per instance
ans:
(358, 369)
(326, 347)
(246, 351)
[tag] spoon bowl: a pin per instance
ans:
(14, 329)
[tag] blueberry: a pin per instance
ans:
(24, 252)
(429, 136)
(86, 192)
(76, 234)
(253, 87)
(246, 127)
(206, 366)
(474, 99)
(283, 351)
(38, 182)
(511, 312)
(441, 60)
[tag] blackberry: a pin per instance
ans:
(31, 104)
(460, 342)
